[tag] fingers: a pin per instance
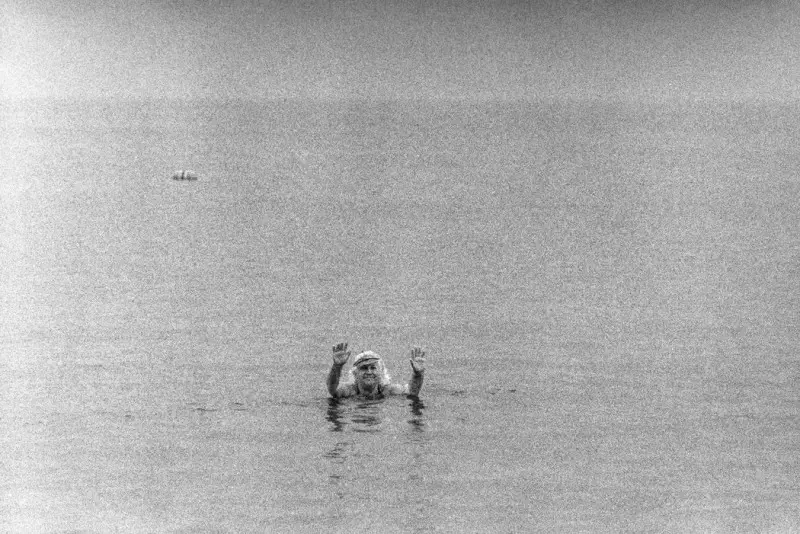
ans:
(340, 347)
(417, 359)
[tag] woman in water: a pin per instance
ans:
(368, 376)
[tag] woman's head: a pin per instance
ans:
(368, 370)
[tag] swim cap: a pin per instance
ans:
(364, 357)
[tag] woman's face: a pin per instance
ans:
(368, 374)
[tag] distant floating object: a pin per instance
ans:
(185, 176)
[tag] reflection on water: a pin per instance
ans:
(334, 415)
(361, 415)
(367, 415)
(338, 455)
(417, 421)
(355, 422)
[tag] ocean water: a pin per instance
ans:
(607, 293)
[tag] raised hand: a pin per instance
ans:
(340, 354)
(417, 360)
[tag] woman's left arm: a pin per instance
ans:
(417, 371)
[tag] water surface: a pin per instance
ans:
(607, 294)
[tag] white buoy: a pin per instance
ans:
(184, 175)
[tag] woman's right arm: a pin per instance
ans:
(333, 379)
(340, 356)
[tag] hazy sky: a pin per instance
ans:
(408, 48)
